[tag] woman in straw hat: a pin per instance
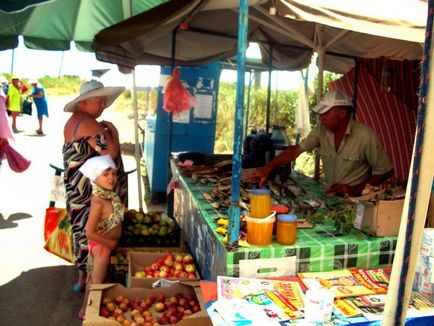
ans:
(85, 137)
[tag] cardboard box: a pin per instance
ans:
(98, 291)
(138, 260)
(119, 264)
(379, 218)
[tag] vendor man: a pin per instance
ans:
(350, 151)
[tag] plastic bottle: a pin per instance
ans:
(286, 229)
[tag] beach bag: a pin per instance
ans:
(27, 107)
(59, 241)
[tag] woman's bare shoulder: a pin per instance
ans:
(83, 126)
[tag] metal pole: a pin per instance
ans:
(12, 62)
(136, 130)
(137, 142)
(234, 209)
(270, 67)
(61, 64)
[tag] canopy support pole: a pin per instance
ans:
(417, 194)
(137, 142)
(246, 125)
(234, 209)
(270, 70)
(321, 53)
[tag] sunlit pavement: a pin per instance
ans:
(24, 196)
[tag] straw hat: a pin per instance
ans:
(92, 89)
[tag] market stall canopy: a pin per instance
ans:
(52, 25)
(207, 31)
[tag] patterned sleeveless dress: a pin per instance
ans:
(79, 190)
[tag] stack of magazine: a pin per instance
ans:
(359, 295)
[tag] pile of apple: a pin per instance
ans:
(146, 224)
(170, 266)
(149, 311)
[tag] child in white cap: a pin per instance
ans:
(104, 225)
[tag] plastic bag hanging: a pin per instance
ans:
(176, 98)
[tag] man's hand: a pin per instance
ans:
(261, 174)
(340, 189)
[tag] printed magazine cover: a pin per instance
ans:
(344, 283)
(281, 300)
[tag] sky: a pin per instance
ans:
(37, 63)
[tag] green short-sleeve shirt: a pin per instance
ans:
(359, 152)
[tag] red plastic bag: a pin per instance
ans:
(176, 97)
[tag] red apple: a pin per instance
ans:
(195, 308)
(117, 312)
(147, 313)
(135, 313)
(189, 268)
(183, 302)
(126, 301)
(163, 320)
(162, 274)
(187, 259)
(111, 306)
(119, 299)
(191, 275)
(123, 306)
(187, 312)
(156, 274)
(127, 322)
(159, 307)
(106, 300)
(160, 298)
(177, 266)
(173, 319)
(121, 319)
(182, 274)
(180, 309)
(173, 299)
(168, 261)
(104, 312)
(139, 320)
(155, 267)
(160, 261)
(178, 258)
(164, 269)
(147, 269)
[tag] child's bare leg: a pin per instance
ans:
(101, 261)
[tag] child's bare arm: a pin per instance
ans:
(95, 214)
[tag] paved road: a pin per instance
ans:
(24, 196)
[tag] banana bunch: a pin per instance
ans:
(222, 229)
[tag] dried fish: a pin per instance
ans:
(207, 196)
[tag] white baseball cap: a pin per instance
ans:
(331, 99)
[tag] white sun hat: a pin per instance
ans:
(332, 99)
(92, 89)
(95, 166)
